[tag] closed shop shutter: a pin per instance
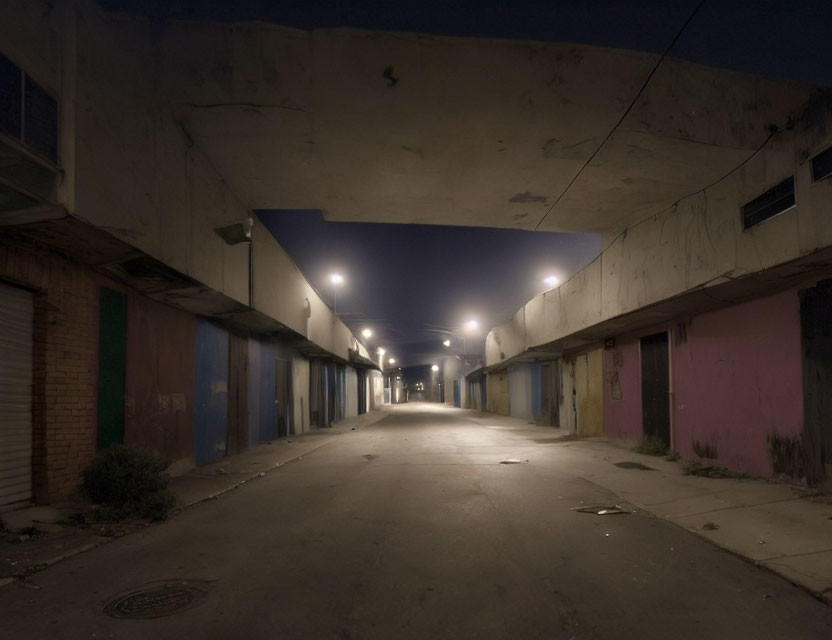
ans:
(15, 395)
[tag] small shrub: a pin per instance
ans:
(651, 447)
(704, 450)
(673, 456)
(696, 469)
(128, 482)
(788, 456)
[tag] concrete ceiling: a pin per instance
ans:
(465, 131)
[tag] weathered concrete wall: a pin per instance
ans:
(698, 243)
(137, 174)
(159, 378)
(300, 393)
(622, 391)
(520, 391)
(737, 379)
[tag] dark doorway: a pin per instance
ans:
(655, 387)
(362, 391)
(112, 355)
(548, 394)
(283, 395)
(238, 368)
(816, 339)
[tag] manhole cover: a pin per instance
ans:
(158, 599)
(633, 465)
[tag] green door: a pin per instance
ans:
(112, 342)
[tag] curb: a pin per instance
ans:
(255, 476)
(24, 573)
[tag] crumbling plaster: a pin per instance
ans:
(465, 131)
(131, 168)
(694, 244)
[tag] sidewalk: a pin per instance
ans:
(47, 537)
(781, 527)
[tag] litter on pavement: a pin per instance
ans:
(600, 510)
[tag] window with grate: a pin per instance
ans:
(774, 201)
(822, 165)
(28, 112)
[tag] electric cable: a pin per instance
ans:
(626, 112)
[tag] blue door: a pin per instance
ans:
(210, 393)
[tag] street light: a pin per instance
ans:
(335, 279)
(367, 333)
(551, 281)
(472, 324)
(447, 343)
(391, 361)
(381, 351)
(434, 368)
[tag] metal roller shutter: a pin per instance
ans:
(15, 395)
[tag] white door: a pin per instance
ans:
(15, 395)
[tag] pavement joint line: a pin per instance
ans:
(258, 474)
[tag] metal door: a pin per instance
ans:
(655, 387)
(16, 315)
(362, 391)
(816, 339)
(210, 393)
(112, 350)
(283, 395)
(457, 398)
(548, 394)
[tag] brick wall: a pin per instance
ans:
(65, 364)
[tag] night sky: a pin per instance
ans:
(414, 284)
(784, 38)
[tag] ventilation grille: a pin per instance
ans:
(775, 200)
(822, 165)
(27, 112)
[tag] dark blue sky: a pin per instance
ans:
(409, 282)
(784, 38)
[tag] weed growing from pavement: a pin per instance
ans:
(651, 447)
(696, 469)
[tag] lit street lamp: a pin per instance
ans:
(367, 333)
(551, 281)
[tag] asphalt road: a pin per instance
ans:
(411, 528)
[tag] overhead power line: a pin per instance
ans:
(667, 50)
